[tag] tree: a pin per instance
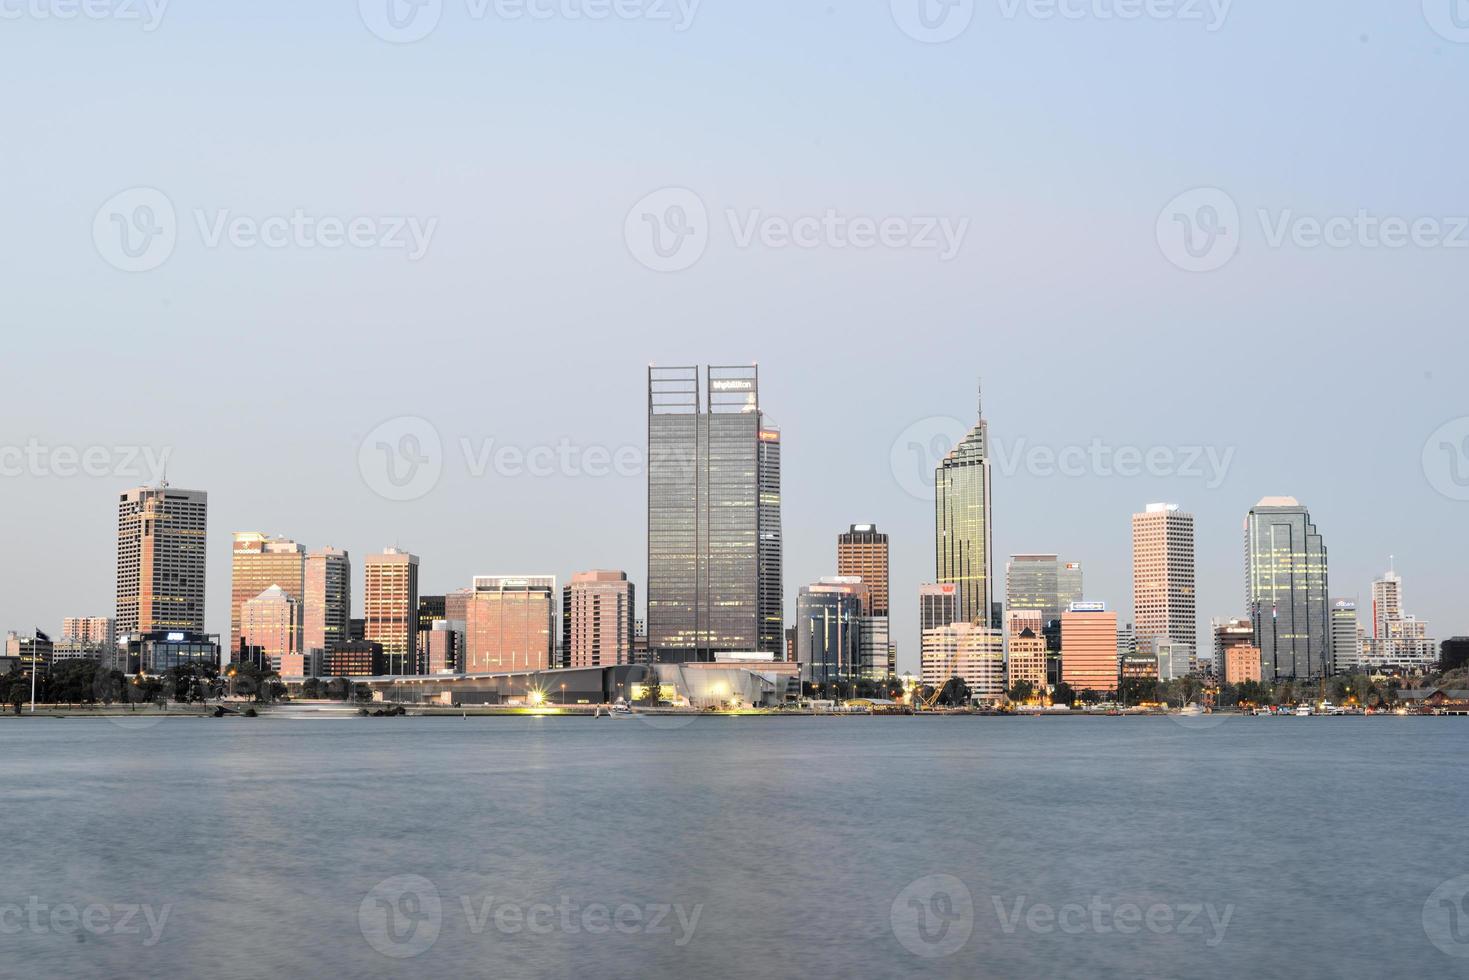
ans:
(1022, 691)
(955, 692)
(1063, 694)
(1135, 690)
(311, 688)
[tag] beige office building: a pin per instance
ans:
(1165, 606)
(969, 651)
(1241, 663)
(328, 600)
(1027, 658)
(597, 619)
(257, 562)
(862, 551)
(509, 624)
(161, 540)
(89, 631)
(390, 605)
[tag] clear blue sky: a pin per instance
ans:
(529, 321)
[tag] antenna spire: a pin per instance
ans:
(979, 396)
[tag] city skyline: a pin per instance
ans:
(904, 636)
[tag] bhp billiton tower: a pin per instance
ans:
(714, 534)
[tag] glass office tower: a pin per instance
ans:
(1286, 581)
(963, 540)
(714, 529)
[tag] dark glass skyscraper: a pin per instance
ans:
(714, 530)
(1286, 589)
(963, 540)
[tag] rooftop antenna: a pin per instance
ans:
(979, 396)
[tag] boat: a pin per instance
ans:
(1303, 711)
(1191, 711)
(620, 709)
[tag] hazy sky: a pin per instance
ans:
(1099, 306)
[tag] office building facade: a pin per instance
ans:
(1164, 600)
(963, 528)
(597, 622)
(328, 600)
(1286, 590)
(715, 541)
(258, 561)
(510, 624)
(390, 601)
(162, 533)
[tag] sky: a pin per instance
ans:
(1198, 253)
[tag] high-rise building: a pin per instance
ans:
(1126, 642)
(1175, 659)
(1230, 633)
(1089, 647)
(1346, 648)
(938, 605)
(714, 525)
(511, 624)
(1163, 598)
(390, 600)
(862, 551)
(258, 561)
(1387, 602)
(597, 619)
(270, 622)
(161, 539)
(973, 652)
(328, 600)
(963, 532)
(431, 610)
(1286, 590)
(439, 647)
(94, 631)
(829, 631)
(1043, 583)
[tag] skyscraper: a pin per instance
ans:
(258, 561)
(597, 619)
(963, 545)
(390, 601)
(1163, 598)
(714, 526)
(328, 601)
(829, 632)
(1046, 584)
(862, 551)
(161, 538)
(1286, 589)
(1346, 650)
(938, 605)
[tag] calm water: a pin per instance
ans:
(735, 847)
